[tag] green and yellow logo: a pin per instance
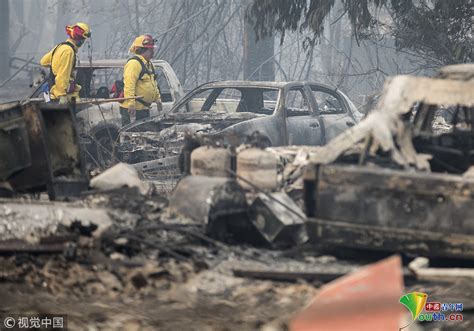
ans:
(434, 311)
(415, 302)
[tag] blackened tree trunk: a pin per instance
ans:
(4, 40)
(258, 55)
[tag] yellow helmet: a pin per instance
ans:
(78, 30)
(143, 41)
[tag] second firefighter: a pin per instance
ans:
(139, 79)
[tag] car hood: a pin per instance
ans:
(163, 136)
(218, 121)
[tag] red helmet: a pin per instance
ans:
(148, 41)
(79, 30)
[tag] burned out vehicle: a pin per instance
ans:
(99, 121)
(283, 113)
(403, 179)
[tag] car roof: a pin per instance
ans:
(257, 84)
(109, 63)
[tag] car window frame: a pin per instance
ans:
(185, 100)
(309, 101)
(332, 92)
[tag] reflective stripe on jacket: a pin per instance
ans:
(146, 87)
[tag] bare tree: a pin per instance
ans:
(4, 39)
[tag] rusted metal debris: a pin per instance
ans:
(208, 199)
(221, 204)
(364, 300)
(40, 149)
(217, 202)
(280, 221)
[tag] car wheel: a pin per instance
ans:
(256, 139)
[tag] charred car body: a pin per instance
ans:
(401, 180)
(283, 113)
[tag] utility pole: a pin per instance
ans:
(4, 40)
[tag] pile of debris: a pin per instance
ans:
(249, 234)
(382, 185)
(117, 258)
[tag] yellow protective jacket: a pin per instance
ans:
(146, 87)
(62, 66)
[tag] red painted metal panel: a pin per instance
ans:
(364, 300)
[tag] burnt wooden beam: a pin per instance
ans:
(369, 195)
(391, 239)
(288, 276)
(20, 247)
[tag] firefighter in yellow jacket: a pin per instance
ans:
(139, 79)
(62, 61)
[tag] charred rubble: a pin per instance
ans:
(249, 230)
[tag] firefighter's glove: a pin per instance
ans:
(63, 100)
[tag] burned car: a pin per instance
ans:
(283, 113)
(412, 161)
